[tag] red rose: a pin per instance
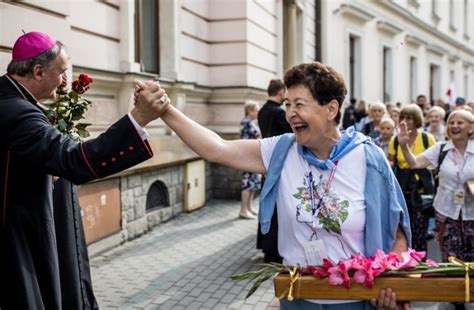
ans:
(77, 87)
(85, 80)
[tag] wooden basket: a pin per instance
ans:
(407, 289)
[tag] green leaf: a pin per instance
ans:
(76, 114)
(49, 104)
(82, 126)
(83, 133)
(247, 275)
(63, 99)
(343, 215)
(62, 125)
(61, 91)
(50, 114)
(74, 95)
(259, 282)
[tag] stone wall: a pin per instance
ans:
(221, 183)
(134, 188)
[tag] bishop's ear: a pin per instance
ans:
(38, 72)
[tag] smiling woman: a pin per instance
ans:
(328, 186)
(454, 203)
(414, 183)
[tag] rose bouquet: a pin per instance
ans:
(362, 270)
(68, 109)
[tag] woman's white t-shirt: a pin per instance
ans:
(455, 170)
(345, 205)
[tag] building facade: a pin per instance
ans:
(213, 56)
(392, 51)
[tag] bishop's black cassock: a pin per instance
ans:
(31, 152)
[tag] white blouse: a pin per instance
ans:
(455, 170)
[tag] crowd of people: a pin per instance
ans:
(431, 132)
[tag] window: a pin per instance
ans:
(466, 87)
(434, 82)
(434, 7)
(434, 12)
(413, 79)
(387, 74)
(466, 19)
(451, 16)
(157, 196)
(292, 34)
(147, 51)
(318, 30)
(355, 67)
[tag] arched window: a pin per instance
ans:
(157, 196)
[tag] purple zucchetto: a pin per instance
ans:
(31, 44)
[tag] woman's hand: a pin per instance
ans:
(388, 300)
(404, 134)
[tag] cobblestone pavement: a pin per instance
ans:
(186, 264)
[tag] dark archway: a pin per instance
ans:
(157, 197)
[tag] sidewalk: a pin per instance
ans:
(187, 262)
(184, 264)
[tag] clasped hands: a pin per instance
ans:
(150, 102)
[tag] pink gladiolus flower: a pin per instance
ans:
(320, 272)
(431, 263)
(410, 258)
(383, 261)
(417, 255)
(357, 261)
(327, 263)
(365, 275)
(338, 275)
(309, 268)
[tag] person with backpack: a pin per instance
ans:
(414, 183)
(336, 193)
(454, 201)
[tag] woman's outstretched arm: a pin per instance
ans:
(242, 154)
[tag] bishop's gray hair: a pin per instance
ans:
(25, 67)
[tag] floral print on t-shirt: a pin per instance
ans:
(327, 205)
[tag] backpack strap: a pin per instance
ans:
(395, 146)
(441, 156)
(424, 137)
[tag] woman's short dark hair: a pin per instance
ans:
(324, 83)
(25, 67)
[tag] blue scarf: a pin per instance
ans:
(349, 140)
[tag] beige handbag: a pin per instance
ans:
(470, 187)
